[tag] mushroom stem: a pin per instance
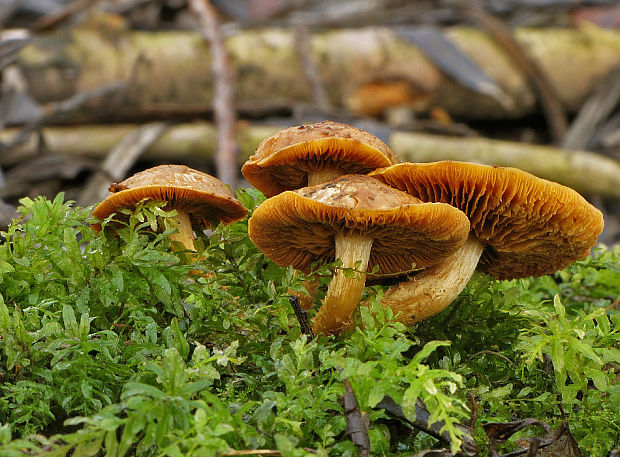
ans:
(344, 293)
(319, 176)
(432, 290)
(185, 236)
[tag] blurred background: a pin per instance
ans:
(94, 90)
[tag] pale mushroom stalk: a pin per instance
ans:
(185, 234)
(315, 177)
(432, 290)
(344, 291)
(321, 175)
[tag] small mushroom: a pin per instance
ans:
(521, 225)
(360, 221)
(197, 197)
(311, 154)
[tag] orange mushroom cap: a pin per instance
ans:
(529, 226)
(282, 161)
(298, 227)
(204, 197)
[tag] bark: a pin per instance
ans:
(587, 172)
(366, 70)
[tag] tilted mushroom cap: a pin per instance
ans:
(282, 161)
(298, 227)
(530, 226)
(204, 197)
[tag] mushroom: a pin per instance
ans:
(521, 225)
(360, 221)
(197, 197)
(307, 155)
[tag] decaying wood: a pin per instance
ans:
(356, 66)
(587, 172)
(584, 171)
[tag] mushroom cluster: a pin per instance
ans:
(503, 221)
(521, 226)
(307, 155)
(362, 222)
(335, 192)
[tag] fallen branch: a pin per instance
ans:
(172, 81)
(587, 172)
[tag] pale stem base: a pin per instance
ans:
(185, 236)
(432, 290)
(344, 293)
(316, 177)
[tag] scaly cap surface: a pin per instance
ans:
(297, 227)
(282, 161)
(206, 198)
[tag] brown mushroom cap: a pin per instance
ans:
(298, 227)
(530, 226)
(282, 161)
(204, 197)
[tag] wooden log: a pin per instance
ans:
(585, 171)
(367, 70)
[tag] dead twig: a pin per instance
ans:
(536, 443)
(254, 452)
(499, 432)
(539, 80)
(223, 103)
(54, 110)
(357, 422)
(268, 452)
(303, 46)
(486, 351)
(594, 112)
(302, 316)
(51, 20)
(119, 161)
(421, 422)
(613, 305)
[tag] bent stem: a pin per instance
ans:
(432, 290)
(344, 293)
